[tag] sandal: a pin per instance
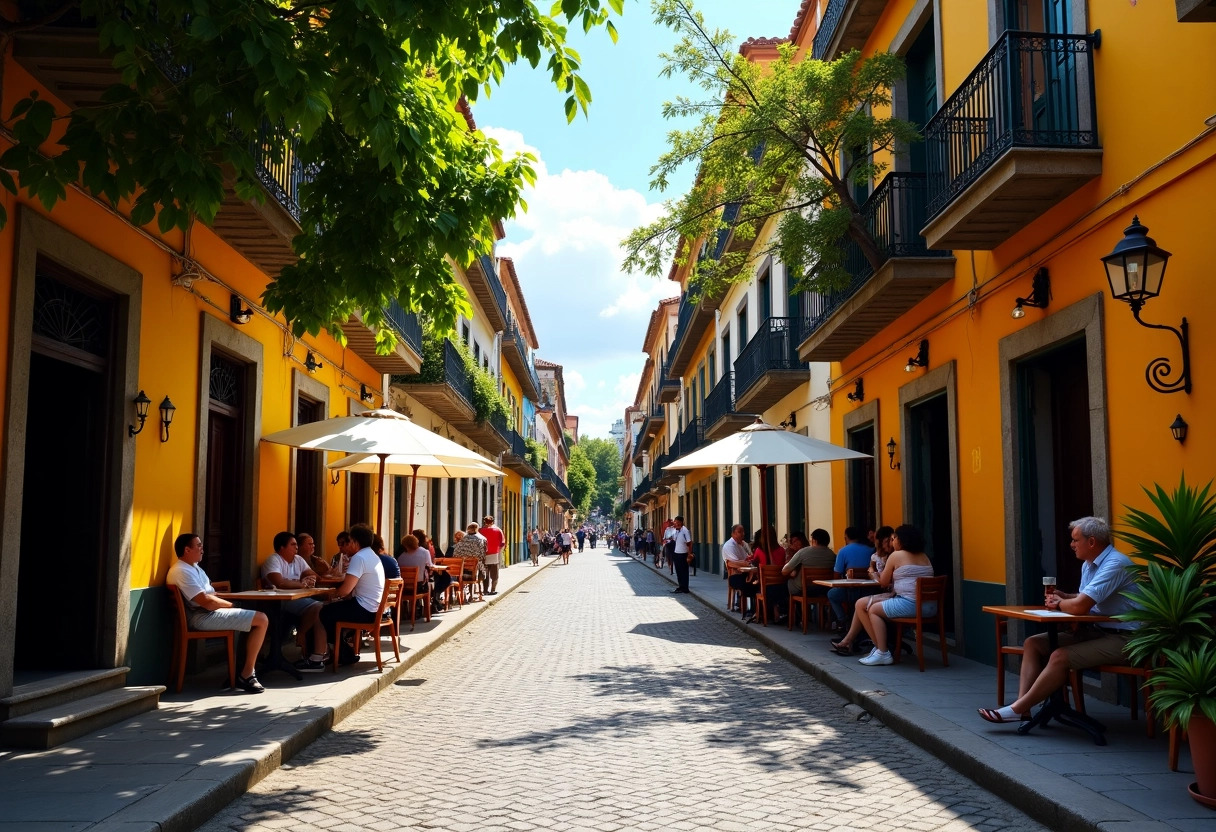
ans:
(842, 649)
(993, 715)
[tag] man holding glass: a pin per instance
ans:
(1105, 576)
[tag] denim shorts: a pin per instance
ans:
(901, 607)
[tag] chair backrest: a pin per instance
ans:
(931, 589)
(810, 574)
(179, 607)
(410, 578)
(222, 586)
(392, 593)
(770, 575)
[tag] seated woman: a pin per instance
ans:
(440, 580)
(414, 555)
(391, 569)
(907, 562)
(748, 583)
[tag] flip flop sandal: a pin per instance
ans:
(844, 650)
(993, 715)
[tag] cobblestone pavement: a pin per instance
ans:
(593, 699)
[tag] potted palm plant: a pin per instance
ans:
(1177, 616)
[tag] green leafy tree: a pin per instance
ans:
(364, 92)
(770, 143)
(606, 458)
(580, 478)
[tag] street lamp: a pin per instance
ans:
(1135, 271)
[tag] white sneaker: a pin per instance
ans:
(877, 658)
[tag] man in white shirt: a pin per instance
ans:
(681, 539)
(204, 611)
(288, 569)
(358, 598)
(735, 549)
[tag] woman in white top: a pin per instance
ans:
(905, 565)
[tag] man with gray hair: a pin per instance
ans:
(1105, 576)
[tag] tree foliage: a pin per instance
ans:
(580, 478)
(365, 92)
(769, 142)
(606, 458)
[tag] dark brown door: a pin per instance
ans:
(310, 473)
(862, 501)
(222, 537)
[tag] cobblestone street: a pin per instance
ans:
(594, 699)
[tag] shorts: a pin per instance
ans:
(1091, 646)
(901, 607)
(230, 618)
(299, 606)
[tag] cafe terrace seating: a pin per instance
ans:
(769, 576)
(375, 627)
(927, 590)
(411, 596)
(810, 574)
(455, 590)
(183, 635)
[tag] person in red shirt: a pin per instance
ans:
(494, 543)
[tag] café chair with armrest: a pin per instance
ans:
(411, 595)
(927, 589)
(375, 627)
(769, 576)
(810, 574)
(183, 635)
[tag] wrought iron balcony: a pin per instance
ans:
(406, 356)
(695, 316)
(656, 419)
(1017, 137)
(837, 323)
(492, 434)
(556, 483)
(692, 437)
(405, 324)
(487, 288)
(669, 386)
(846, 25)
(516, 457)
(515, 350)
(720, 416)
(642, 491)
(769, 368)
(443, 385)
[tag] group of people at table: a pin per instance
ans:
(357, 573)
(895, 559)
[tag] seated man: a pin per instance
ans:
(358, 598)
(286, 569)
(854, 554)
(346, 548)
(308, 551)
(204, 611)
(1104, 578)
(817, 554)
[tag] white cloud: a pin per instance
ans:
(575, 383)
(627, 386)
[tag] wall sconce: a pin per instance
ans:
(891, 455)
(166, 418)
(859, 392)
(238, 313)
(791, 422)
(921, 359)
(1040, 294)
(312, 363)
(142, 403)
(365, 394)
(1178, 428)
(1135, 270)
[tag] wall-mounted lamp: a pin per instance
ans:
(921, 359)
(1040, 294)
(142, 403)
(312, 363)
(1135, 270)
(365, 394)
(859, 392)
(1178, 428)
(166, 418)
(791, 422)
(238, 313)
(891, 455)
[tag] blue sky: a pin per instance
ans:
(593, 188)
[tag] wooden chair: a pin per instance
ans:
(927, 589)
(375, 627)
(769, 576)
(471, 585)
(183, 635)
(411, 595)
(455, 590)
(732, 594)
(820, 602)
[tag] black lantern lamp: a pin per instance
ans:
(312, 363)
(142, 403)
(859, 392)
(1040, 294)
(921, 359)
(238, 312)
(891, 454)
(1178, 428)
(166, 418)
(365, 394)
(1135, 270)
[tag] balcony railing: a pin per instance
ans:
(491, 273)
(513, 337)
(498, 421)
(1030, 90)
(894, 214)
(450, 370)
(278, 166)
(692, 437)
(642, 489)
(827, 28)
(773, 347)
(721, 399)
(547, 473)
(405, 324)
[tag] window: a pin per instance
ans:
(726, 351)
(764, 295)
(465, 335)
(476, 352)
(741, 323)
(713, 375)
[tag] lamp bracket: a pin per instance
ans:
(1156, 375)
(1040, 291)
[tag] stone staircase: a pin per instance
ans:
(52, 710)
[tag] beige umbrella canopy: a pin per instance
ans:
(763, 445)
(381, 432)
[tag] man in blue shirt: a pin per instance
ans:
(1104, 578)
(854, 554)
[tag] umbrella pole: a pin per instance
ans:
(380, 492)
(413, 491)
(768, 545)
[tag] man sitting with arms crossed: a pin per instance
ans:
(287, 569)
(204, 611)
(1104, 578)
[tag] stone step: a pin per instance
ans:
(53, 689)
(60, 723)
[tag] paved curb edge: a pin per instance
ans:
(1044, 795)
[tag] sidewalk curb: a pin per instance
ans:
(1037, 791)
(186, 804)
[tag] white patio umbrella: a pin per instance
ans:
(414, 466)
(380, 432)
(762, 445)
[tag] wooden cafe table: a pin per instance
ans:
(1056, 707)
(273, 600)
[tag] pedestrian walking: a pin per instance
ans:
(681, 552)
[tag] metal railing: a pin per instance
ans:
(1030, 90)
(642, 489)
(894, 214)
(513, 336)
(496, 289)
(730, 213)
(666, 379)
(448, 369)
(657, 411)
(773, 347)
(721, 400)
(498, 421)
(278, 166)
(547, 473)
(692, 437)
(827, 28)
(405, 324)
